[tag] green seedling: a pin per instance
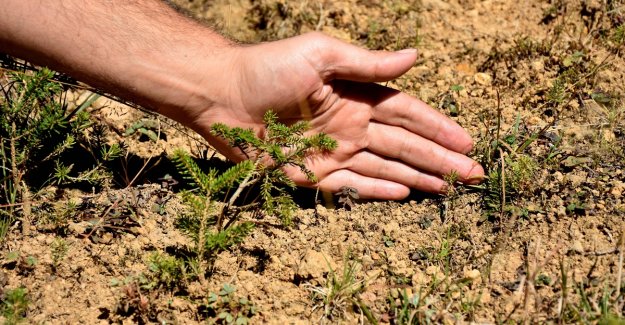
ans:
(150, 128)
(618, 35)
(405, 308)
(388, 241)
(339, 294)
(215, 227)
(167, 271)
(450, 103)
(58, 250)
(14, 305)
(224, 307)
(40, 134)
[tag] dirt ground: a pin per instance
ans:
(546, 76)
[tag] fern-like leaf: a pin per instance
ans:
(192, 172)
(233, 175)
(223, 240)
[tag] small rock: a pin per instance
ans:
(483, 79)
(368, 297)
(431, 270)
(315, 264)
(373, 274)
(391, 228)
(608, 136)
(538, 66)
(575, 179)
(419, 278)
(436, 5)
(472, 274)
(392, 257)
(485, 298)
(577, 247)
(79, 227)
(617, 188)
(178, 304)
(558, 176)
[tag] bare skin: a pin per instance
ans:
(143, 51)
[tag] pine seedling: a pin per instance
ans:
(58, 251)
(508, 181)
(38, 130)
(14, 305)
(214, 226)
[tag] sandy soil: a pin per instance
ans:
(528, 263)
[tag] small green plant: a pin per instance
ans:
(225, 307)
(510, 169)
(135, 301)
(58, 250)
(618, 35)
(507, 181)
(14, 305)
(23, 265)
(39, 132)
(340, 294)
(449, 100)
(214, 226)
(456, 88)
(149, 128)
(452, 180)
(409, 309)
(167, 271)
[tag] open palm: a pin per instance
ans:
(388, 142)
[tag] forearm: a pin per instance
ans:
(140, 50)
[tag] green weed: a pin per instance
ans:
(340, 293)
(224, 307)
(58, 251)
(589, 301)
(167, 271)
(14, 305)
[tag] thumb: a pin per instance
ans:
(340, 60)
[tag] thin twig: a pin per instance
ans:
(619, 273)
(502, 179)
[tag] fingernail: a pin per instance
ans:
(407, 51)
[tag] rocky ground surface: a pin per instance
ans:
(545, 77)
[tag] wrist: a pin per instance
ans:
(183, 80)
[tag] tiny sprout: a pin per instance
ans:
(456, 88)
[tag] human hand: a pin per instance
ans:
(388, 141)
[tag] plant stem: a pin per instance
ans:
(20, 188)
(247, 181)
